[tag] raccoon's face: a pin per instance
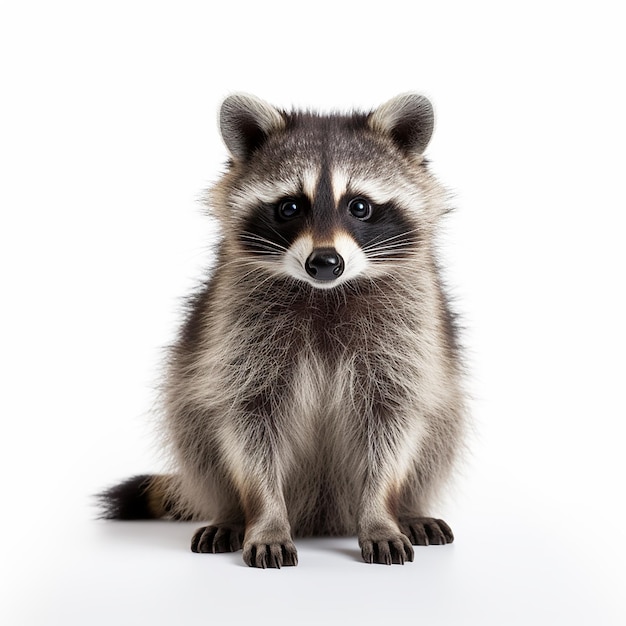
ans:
(326, 199)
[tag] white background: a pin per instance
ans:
(108, 139)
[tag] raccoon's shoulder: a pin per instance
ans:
(199, 309)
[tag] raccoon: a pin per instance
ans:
(316, 384)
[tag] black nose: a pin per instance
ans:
(324, 264)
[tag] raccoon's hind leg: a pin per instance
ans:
(225, 533)
(218, 538)
(417, 493)
(426, 531)
(205, 488)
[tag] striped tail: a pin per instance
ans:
(139, 497)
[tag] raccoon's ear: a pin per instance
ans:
(408, 119)
(245, 123)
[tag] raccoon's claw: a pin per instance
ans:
(397, 549)
(274, 555)
(427, 531)
(216, 539)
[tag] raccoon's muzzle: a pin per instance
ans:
(324, 264)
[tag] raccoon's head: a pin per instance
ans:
(326, 199)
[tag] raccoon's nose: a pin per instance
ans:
(324, 264)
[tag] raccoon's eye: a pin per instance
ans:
(360, 208)
(288, 209)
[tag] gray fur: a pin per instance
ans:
(293, 410)
(409, 117)
(244, 117)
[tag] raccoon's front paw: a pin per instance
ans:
(263, 555)
(427, 531)
(394, 549)
(217, 539)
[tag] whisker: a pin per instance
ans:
(387, 244)
(275, 231)
(258, 243)
(405, 246)
(386, 252)
(372, 243)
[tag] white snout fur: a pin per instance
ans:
(355, 261)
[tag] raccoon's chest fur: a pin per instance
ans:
(322, 368)
(320, 363)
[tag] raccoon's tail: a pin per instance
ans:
(140, 497)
